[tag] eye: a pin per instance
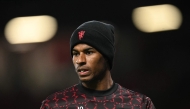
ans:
(75, 53)
(89, 52)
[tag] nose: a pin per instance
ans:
(81, 59)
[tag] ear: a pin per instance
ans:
(107, 63)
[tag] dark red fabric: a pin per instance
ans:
(73, 98)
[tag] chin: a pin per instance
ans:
(85, 79)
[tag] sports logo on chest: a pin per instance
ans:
(80, 107)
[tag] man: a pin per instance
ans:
(92, 50)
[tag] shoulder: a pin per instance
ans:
(63, 92)
(133, 94)
(136, 98)
(59, 95)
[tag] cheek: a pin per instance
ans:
(74, 62)
(97, 63)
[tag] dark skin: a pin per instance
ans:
(91, 67)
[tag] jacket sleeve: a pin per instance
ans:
(44, 105)
(149, 104)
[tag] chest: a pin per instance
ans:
(108, 102)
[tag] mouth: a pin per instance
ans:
(83, 72)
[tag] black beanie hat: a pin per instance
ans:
(98, 35)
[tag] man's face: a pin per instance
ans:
(89, 63)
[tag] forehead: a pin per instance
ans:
(82, 46)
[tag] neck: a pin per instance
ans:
(101, 84)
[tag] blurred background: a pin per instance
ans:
(152, 48)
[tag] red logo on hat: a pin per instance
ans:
(81, 34)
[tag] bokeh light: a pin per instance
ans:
(30, 29)
(157, 18)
